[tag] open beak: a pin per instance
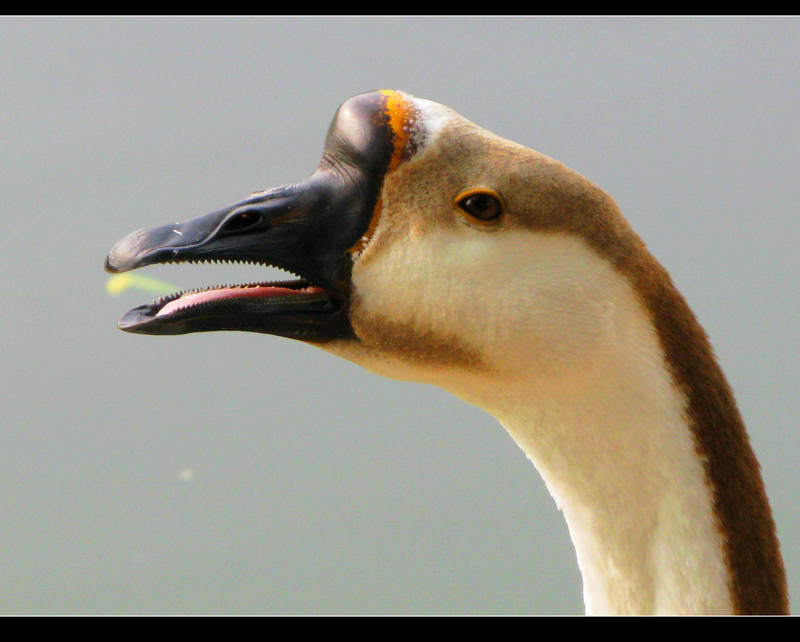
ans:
(309, 229)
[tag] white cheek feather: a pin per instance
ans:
(550, 300)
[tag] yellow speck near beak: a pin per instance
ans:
(120, 282)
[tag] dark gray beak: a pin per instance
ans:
(308, 228)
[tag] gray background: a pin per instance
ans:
(241, 473)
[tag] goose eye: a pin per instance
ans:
(483, 205)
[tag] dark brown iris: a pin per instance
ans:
(481, 205)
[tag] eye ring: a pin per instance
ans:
(481, 205)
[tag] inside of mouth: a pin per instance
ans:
(193, 298)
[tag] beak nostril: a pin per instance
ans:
(242, 222)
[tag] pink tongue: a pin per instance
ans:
(194, 298)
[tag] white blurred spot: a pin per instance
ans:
(186, 474)
(138, 558)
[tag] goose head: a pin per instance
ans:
(430, 249)
(427, 247)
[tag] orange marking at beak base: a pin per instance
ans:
(401, 114)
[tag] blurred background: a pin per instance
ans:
(242, 473)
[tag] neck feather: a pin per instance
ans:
(756, 573)
(618, 456)
(646, 454)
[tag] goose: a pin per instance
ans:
(432, 250)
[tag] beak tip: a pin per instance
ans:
(109, 266)
(134, 319)
(126, 254)
(117, 261)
